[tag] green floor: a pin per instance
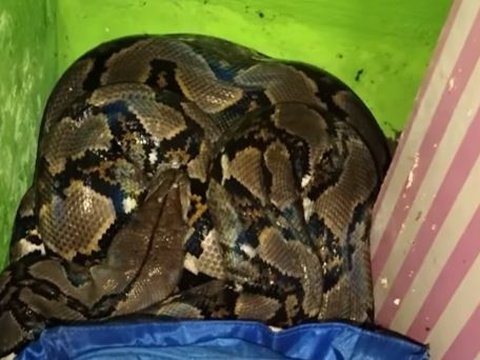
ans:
(379, 47)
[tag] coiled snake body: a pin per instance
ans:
(189, 177)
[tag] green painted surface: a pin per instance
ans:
(27, 72)
(386, 42)
(379, 47)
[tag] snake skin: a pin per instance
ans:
(189, 177)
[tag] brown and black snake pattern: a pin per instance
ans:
(189, 177)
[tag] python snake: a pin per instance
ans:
(190, 177)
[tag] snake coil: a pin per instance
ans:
(190, 177)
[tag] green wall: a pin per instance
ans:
(379, 47)
(27, 72)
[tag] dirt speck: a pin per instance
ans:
(417, 217)
(359, 74)
(260, 14)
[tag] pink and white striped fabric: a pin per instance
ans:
(426, 232)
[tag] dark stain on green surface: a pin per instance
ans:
(359, 74)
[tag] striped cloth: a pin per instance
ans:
(426, 232)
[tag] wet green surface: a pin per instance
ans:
(379, 47)
(27, 72)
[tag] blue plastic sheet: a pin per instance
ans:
(233, 340)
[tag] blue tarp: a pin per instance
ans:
(233, 340)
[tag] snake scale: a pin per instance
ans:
(185, 176)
